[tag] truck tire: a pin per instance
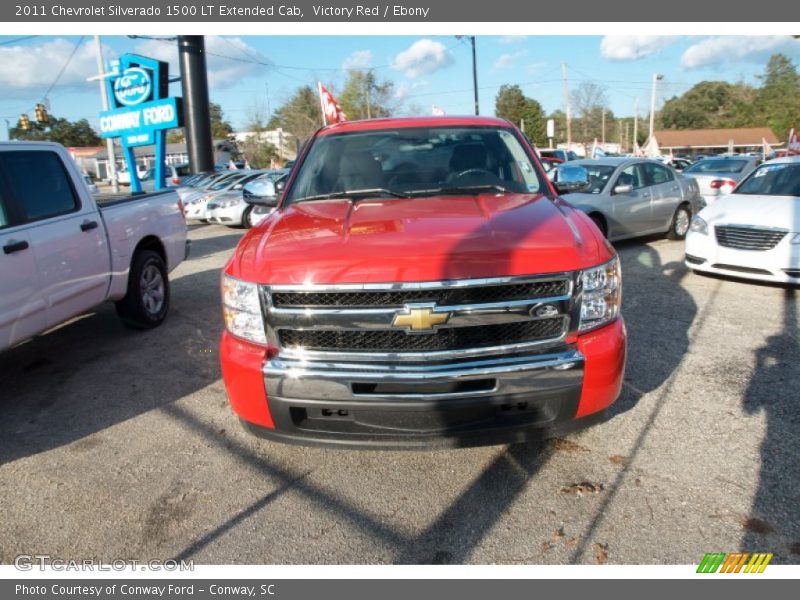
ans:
(680, 223)
(146, 302)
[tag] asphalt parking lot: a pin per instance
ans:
(117, 444)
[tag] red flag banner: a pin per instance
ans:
(331, 111)
(793, 147)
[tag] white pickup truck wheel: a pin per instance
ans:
(146, 304)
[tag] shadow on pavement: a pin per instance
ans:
(94, 372)
(774, 521)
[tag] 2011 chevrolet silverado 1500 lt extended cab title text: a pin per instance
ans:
(62, 255)
(420, 283)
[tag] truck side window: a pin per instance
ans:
(39, 184)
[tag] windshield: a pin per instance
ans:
(782, 179)
(717, 166)
(415, 161)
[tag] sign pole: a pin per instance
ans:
(110, 153)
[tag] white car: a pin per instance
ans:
(230, 207)
(754, 232)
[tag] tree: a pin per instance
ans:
(713, 104)
(778, 100)
(365, 97)
(589, 100)
(220, 128)
(65, 132)
(300, 115)
(258, 151)
(523, 111)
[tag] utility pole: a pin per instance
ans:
(566, 105)
(475, 75)
(636, 123)
(194, 83)
(368, 82)
(603, 121)
(656, 77)
(112, 158)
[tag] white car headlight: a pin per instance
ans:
(698, 225)
(241, 309)
(229, 203)
(602, 295)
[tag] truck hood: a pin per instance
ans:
(746, 209)
(419, 239)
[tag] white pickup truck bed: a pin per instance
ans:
(61, 254)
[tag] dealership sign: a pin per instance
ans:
(137, 126)
(133, 87)
(141, 111)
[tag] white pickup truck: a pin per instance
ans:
(61, 254)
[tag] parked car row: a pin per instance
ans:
(221, 197)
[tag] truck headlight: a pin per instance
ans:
(698, 225)
(241, 309)
(602, 295)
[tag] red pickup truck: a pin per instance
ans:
(421, 283)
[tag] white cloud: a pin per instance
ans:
(28, 70)
(633, 47)
(228, 60)
(360, 59)
(506, 61)
(513, 39)
(716, 51)
(407, 88)
(423, 57)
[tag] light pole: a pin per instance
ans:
(474, 70)
(656, 77)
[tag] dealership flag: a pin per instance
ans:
(331, 111)
(767, 148)
(793, 147)
(437, 111)
(232, 166)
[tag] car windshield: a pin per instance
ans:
(417, 161)
(781, 179)
(717, 166)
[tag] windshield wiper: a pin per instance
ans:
(477, 189)
(354, 195)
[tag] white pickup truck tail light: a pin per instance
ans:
(602, 295)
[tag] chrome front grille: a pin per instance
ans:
(460, 338)
(415, 321)
(445, 296)
(743, 237)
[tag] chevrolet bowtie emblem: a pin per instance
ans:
(420, 319)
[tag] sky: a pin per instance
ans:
(250, 73)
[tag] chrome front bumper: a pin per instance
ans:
(501, 399)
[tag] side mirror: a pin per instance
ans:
(623, 189)
(571, 178)
(260, 192)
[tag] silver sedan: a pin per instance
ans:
(630, 197)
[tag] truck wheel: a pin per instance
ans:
(247, 221)
(146, 303)
(680, 223)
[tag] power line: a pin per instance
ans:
(64, 67)
(19, 39)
